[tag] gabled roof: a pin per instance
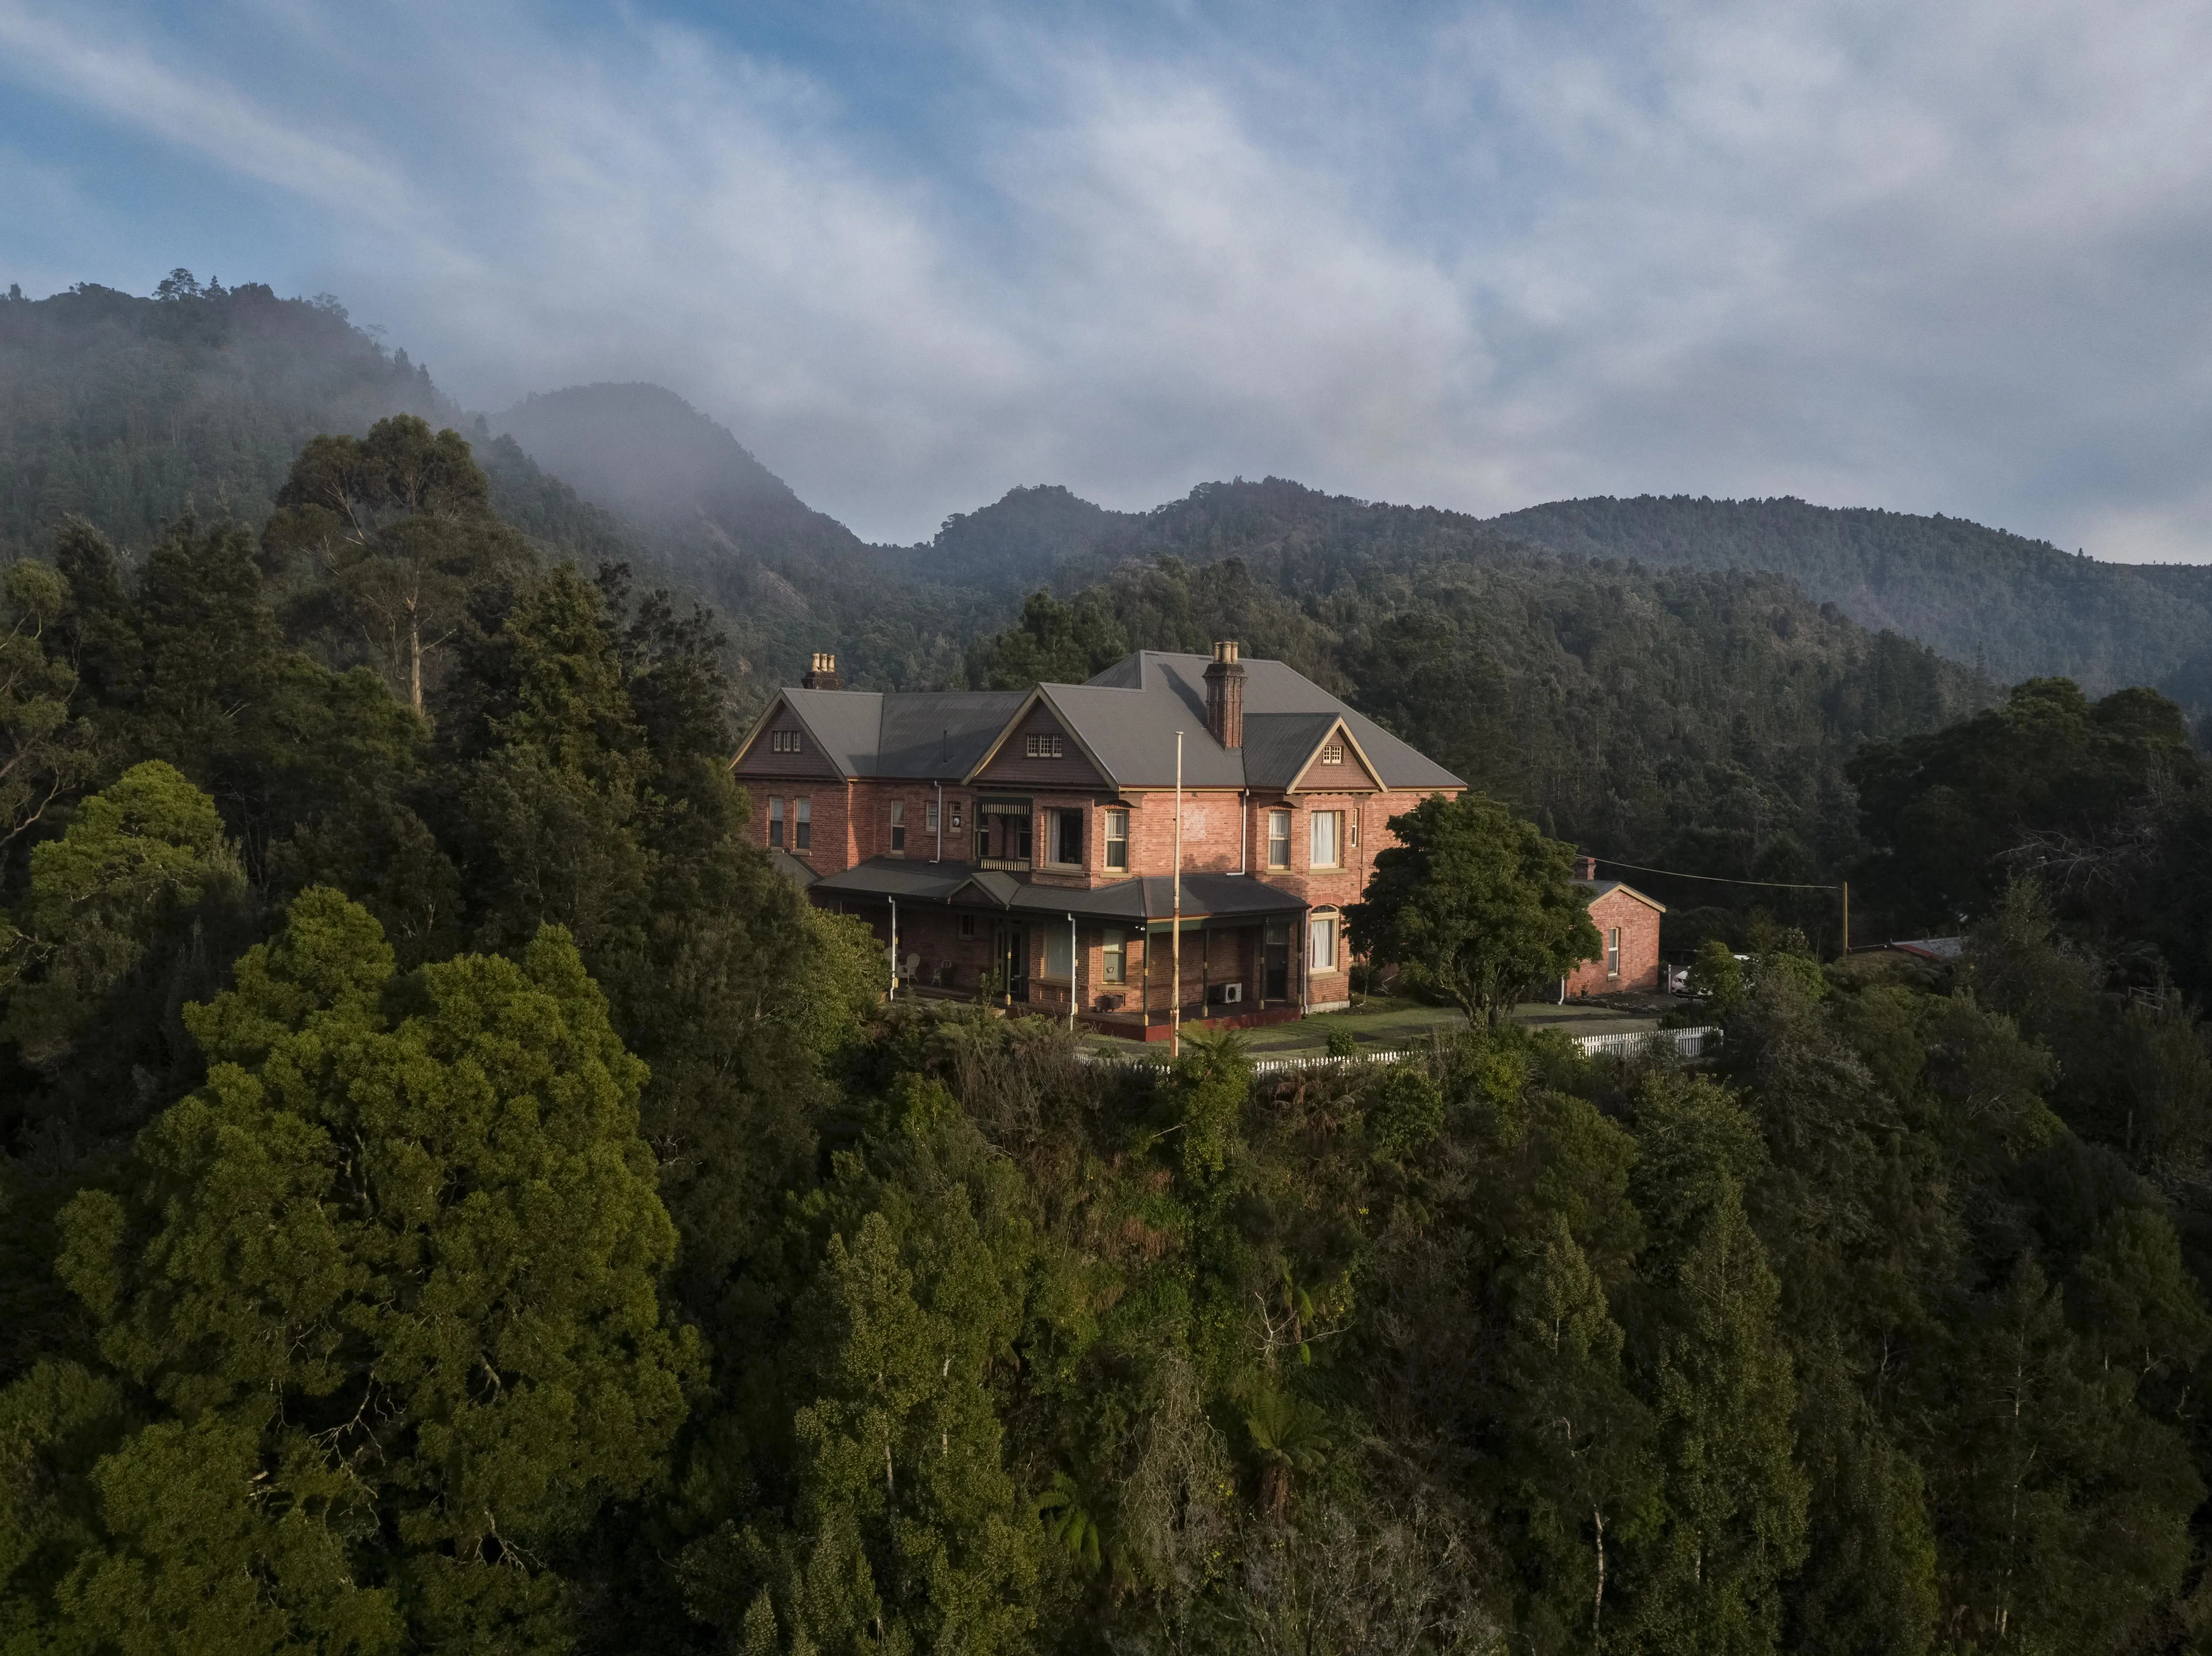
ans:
(921, 734)
(1125, 720)
(1277, 745)
(1135, 706)
(1598, 889)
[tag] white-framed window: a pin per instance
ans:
(1113, 957)
(1043, 747)
(1613, 951)
(1327, 838)
(929, 815)
(1332, 752)
(1320, 944)
(1351, 826)
(1278, 839)
(802, 823)
(785, 742)
(1067, 838)
(898, 827)
(1117, 839)
(1059, 954)
(775, 820)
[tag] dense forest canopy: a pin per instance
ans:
(1695, 722)
(456, 1194)
(2016, 607)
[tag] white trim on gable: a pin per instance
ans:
(1067, 729)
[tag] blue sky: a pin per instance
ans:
(1935, 258)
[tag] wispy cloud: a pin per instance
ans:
(1938, 258)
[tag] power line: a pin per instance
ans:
(1714, 879)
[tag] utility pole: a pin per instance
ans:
(1846, 889)
(1174, 946)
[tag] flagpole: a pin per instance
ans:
(1175, 947)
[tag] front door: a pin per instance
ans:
(1014, 961)
(1275, 977)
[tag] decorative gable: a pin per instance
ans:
(781, 746)
(1337, 766)
(1039, 752)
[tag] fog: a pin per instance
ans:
(1931, 259)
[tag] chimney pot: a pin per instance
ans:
(1585, 868)
(1224, 695)
(823, 675)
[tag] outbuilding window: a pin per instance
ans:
(802, 824)
(1613, 952)
(1117, 839)
(1278, 839)
(774, 821)
(898, 827)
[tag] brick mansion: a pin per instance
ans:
(1022, 843)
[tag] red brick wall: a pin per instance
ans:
(831, 850)
(1639, 947)
(1209, 832)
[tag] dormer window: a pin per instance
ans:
(1043, 747)
(1332, 752)
(784, 741)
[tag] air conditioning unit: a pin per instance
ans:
(1227, 994)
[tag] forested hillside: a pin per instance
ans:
(130, 411)
(2020, 608)
(455, 1194)
(1687, 720)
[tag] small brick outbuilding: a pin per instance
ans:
(1627, 924)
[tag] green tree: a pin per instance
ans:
(1722, 1386)
(906, 1532)
(385, 1290)
(1474, 904)
(400, 526)
(44, 739)
(125, 920)
(1578, 1442)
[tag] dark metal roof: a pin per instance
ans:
(939, 734)
(1277, 745)
(1127, 717)
(942, 733)
(1150, 898)
(844, 724)
(790, 867)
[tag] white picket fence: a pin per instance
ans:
(1688, 1043)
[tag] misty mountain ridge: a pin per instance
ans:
(644, 451)
(128, 411)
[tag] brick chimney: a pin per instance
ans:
(1586, 868)
(1224, 695)
(823, 675)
